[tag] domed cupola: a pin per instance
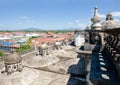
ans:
(110, 23)
(13, 62)
(12, 58)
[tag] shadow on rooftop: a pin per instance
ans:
(78, 72)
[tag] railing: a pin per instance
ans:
(103, 70)
(113, 46)
(105, 64)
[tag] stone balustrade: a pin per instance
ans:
(113, 46)
(105, 64)
(113, 43)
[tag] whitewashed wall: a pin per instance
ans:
(79, 40)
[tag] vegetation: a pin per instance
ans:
(54, 31)
(60, 31)
(24, 48)
(29, 41)
(34, 37)
(1, 54)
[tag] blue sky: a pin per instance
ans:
(53, 14)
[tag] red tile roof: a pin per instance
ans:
(38, 41)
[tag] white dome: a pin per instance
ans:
(12, 58)
(110, 24)
(79, 40)
(96, 26)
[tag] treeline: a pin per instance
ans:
(54, 31)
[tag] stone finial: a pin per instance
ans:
(109, 17)
(96, 25)
(95, 18)
(96, 11)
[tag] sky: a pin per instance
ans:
(53, 14)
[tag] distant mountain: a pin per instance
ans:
(32, 29)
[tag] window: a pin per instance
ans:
(9, 66)
(14, 67)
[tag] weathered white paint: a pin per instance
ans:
(79, 41)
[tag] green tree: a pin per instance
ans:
(23, 48)
(1, 54)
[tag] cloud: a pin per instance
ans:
(117, 20)
(25, 20)
(19, 23)
(77, 21)
(29, 21)
(1, 25)
(59, 24)
(23, 17)
(81, 25)
(117, 14)
(76, 24)
(102, 15)
(70, 23)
